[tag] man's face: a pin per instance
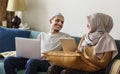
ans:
(57, 23)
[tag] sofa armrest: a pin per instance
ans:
(111, 63)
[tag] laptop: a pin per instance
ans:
(28, 48)
(68, 44)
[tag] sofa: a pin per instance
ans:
(7, 43)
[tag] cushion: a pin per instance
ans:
(7, 38)
(71, 60)
(63, 58)
(8, 53)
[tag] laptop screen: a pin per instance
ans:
(28, 48)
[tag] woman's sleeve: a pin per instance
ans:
(102, 62)
(81, 41)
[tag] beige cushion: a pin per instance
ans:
(69, 59)
(62, 58)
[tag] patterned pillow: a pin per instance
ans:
(8, 53)
(7, 38)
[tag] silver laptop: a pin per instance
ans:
(68, 44)
(28, 48)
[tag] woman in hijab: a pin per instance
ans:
(97, 46)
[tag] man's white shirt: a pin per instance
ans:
(51, 42)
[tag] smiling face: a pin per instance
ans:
(56, 24)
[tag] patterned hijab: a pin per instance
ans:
(101, 24)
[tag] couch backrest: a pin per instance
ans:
(118, 44)
(34, 34)
(77, 39)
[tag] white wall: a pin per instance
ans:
(75, 12)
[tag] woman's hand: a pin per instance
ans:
(43, 58)
(78, 51)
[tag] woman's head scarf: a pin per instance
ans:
(101, 24)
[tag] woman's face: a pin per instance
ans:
(88, 24)
(57, 23)
(89, 27)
